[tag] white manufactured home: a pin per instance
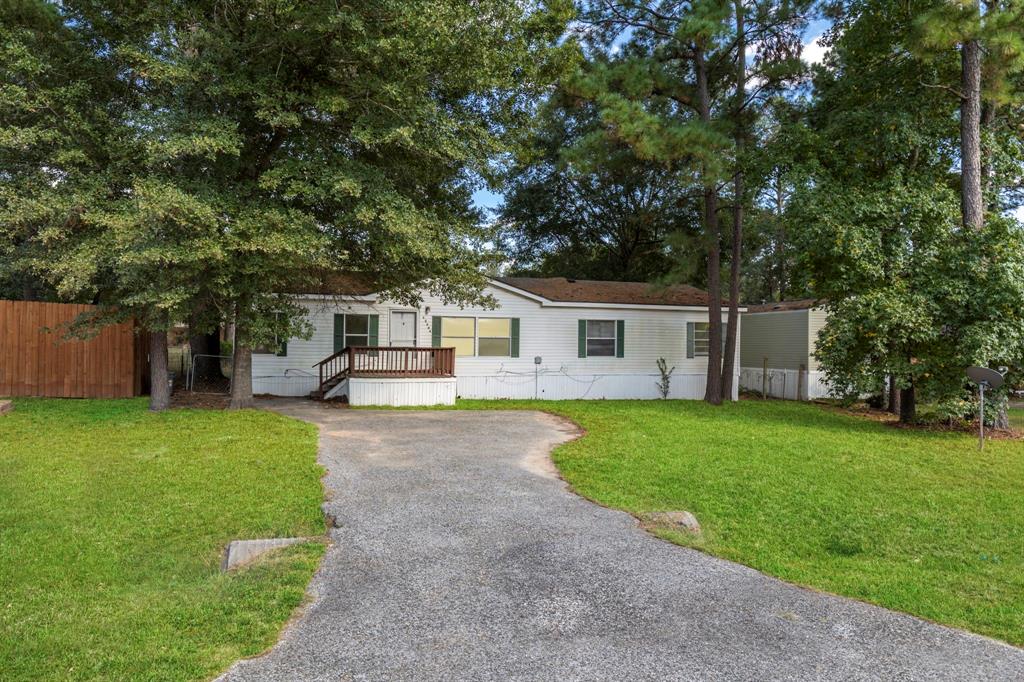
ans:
(546, 338)
(777, 349)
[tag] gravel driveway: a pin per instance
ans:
(459, 555)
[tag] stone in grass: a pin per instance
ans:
(240, 552)
(682, 520)
(6, 406)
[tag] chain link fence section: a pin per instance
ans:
(209, 374)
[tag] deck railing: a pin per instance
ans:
(387, 361)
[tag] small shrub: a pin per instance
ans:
(664, 384)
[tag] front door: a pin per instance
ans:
(403, 328)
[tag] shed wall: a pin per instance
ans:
(781, 337)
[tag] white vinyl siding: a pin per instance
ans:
(548, 332)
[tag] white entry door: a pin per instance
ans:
(403, 328)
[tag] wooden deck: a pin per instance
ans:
(384, 362)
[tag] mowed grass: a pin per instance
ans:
(1017, 418)
(112, 524)
(921, 522)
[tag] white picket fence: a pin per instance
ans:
(788, 384)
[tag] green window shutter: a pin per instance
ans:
(725, 332)
(620, 338)
(282, 351)
(374, 335)
(582, 345)
(689, 339)
(514, 341)
(339, 332)
(435, 331)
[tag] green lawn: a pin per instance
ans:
(112, 522)
(1017, 418)
(916, 521)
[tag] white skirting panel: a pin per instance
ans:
(563, 386)
(401, 392)
(501, 386)
(284, 385)
(784, 383)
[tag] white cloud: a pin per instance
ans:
(814, 51)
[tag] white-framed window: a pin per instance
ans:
(494, 337)
(459, 333)
(357, 330)
(701, 338)
(601, 338)
(483, 336)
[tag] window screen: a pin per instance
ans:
(600, 338)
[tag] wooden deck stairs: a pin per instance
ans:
(388, 362)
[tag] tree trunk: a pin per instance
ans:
(159, 390)
(729, 362)
(988, 170)
(908, 404)
(713, 387)
(970, 136)
(241, 366)
(780, 239)
(894, 396)
(971, 195)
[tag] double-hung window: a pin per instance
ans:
(601, 338)
(357, 330)
(353, 329)
(460, 334)
(494, 337)
(701, 336)
(698, 339)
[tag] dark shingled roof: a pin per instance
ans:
(565, 290)
(802, 304)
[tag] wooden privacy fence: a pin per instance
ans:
(35, 359)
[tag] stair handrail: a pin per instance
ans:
(347, 352)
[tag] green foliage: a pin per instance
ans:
(946, 25)
(110, 561)
(581, 204)
(253, 147)
(622, 155)
(910, 293)
(665, 381)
